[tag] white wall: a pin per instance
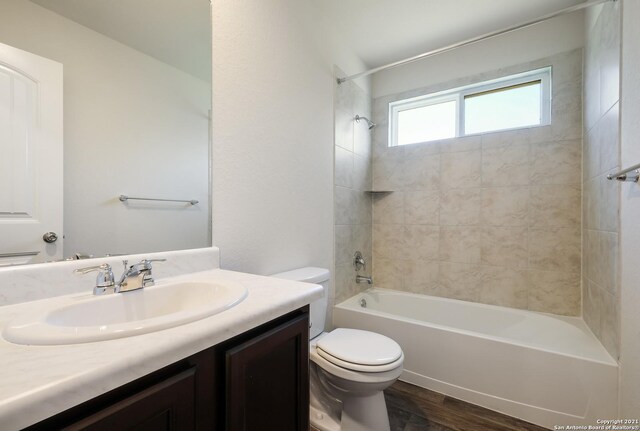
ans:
(630, 213)
(543, 40)
(273, 134)
(132, 125)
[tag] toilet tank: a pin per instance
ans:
(318, 308)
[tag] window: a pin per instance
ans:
(513, 102)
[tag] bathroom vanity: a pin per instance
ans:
(244, 368)
(256, 380)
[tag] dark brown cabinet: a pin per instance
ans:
(255, 381)
(166, 406)
(266, 380)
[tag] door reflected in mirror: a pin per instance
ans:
(97, 100)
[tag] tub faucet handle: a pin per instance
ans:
(359, 262)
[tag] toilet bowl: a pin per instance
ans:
(349, 368)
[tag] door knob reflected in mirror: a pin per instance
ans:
(50, 237)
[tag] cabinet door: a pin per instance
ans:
(168, 405)
(267, 385)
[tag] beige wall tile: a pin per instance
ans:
(554, 292)
(460, 207)
(467, 143)
(592, 306)
(460, 281)
(344, 168)
(609, 147)
(556, 162)
(362, 136)
(364, 210)
(505, 138)
(569, 69)
(388, 208)
(505, 206)
(362, 173)
(591, 154)
(421, 242)
(506, 166)
(420, 173)
(505, 246)
(388, 242)
(388, 170)
(420, 276)
(555, 206)
(566, 122)
(504, 286)
(421, 151)
(610, 321)
(555, 249)
(609, 58)
(422, 207)
(345, 206)
(607, 204)
(343, 244)
(602, 203)
(344, 129)
(461, 170)
(601, 197)
(460, 244)
(482, 214)
(388, 273)
(602, 250)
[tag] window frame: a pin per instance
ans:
(543, 75)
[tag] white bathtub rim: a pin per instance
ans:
(351, 304)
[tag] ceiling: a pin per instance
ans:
(176, 32)
(384, 31)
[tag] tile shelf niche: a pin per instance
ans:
(378, 192)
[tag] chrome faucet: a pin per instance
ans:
(105, 283)
(361, 279)
(137, 276)
(134, 277)
(359, 263)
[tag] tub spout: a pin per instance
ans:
(360, 279)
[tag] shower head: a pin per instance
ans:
(370, 123)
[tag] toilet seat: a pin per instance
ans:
(352, 375)
(359, 350)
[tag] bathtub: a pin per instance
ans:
(546, 369)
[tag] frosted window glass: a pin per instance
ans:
(427, 123)
(506, 108)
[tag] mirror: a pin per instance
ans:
(98, 100)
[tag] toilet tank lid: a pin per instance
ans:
(309, 274)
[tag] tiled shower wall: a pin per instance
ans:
(601, 205)
(492, 218)
(352, 180)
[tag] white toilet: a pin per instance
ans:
(349, 368)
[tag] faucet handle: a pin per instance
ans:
(145, 265)
(359, 262)
(154, 260)
(105, 282)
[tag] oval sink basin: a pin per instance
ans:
(83, 319)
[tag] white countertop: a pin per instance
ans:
(40, 381)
